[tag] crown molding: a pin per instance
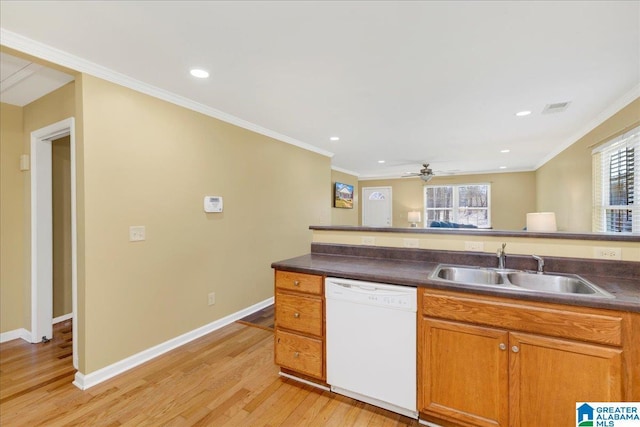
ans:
(65, 59)
(348, 172)
(618, 105)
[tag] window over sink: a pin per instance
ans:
(457, 206)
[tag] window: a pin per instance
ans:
(616, 190)
(457, 205)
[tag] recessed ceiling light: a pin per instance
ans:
(380, 161)
(503, 167)
(523, 113)
(505, 151)
(199, 73)
(335, 138)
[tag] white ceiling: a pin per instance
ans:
(404, 82)
(22, 81)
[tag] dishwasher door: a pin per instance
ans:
(371, 343)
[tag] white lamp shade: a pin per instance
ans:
(414, 216)
(541, 221)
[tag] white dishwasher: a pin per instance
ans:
(371, 343)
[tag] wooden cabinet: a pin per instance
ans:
(547, 376)
(299, 323)
(463, 374)
(485, 361)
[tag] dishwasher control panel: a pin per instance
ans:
(378, 294)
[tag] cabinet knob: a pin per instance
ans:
(515, 349)
(502, 346)
(296, 354)
(296, 283)
(296, 315)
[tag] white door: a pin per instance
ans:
(376, 207)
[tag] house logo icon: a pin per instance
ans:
(584, 416)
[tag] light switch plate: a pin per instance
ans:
(137, 233)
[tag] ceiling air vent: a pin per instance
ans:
(555, 108)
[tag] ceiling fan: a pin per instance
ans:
(425, 173)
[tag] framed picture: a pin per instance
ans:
(343, 196)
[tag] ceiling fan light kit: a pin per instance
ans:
(425, 174)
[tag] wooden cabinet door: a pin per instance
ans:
(463, 373)
(549, 375)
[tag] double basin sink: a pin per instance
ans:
(565, 284)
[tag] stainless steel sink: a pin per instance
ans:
(518, 280)
(476, 276)
(557, 284)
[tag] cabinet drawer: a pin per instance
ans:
(300, 313)
(300, 282)
(547, 319)
(301, 354)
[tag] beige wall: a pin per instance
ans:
(340, 216)
(563, 184)
(61, 201)
(12, 219)
(512, 196)
(571, 248)
(15, 235)
(148, 162)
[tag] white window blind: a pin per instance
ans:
(616, 184)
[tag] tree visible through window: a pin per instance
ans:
(616, 168)
(457, 205)
(621, 184)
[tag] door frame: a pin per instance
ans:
(363, 202)
(42, 232)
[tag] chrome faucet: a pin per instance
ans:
(502, 257)
(540, 263)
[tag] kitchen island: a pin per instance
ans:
(489, 356)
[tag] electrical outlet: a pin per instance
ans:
(474, 246)
(368, 240)
(411, 243)
(137, 233)
(607, 253)
(212, 298)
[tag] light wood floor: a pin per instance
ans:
(226, 378)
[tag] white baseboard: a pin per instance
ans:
(62, 318)
(427, 423)
(26, 335)
(84, 382)
(15, 334)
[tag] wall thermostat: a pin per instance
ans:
(212, 204)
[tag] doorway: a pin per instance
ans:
(376, 207)
(42, 231)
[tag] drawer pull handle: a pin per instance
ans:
(296, 283)
(502, 346)
(515, 349)
(296, 354)
(296, 315)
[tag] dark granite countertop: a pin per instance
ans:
(416, 272)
